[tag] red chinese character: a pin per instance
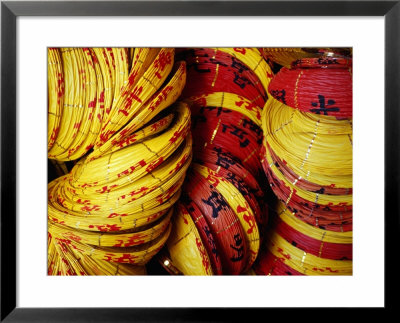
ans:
(161, 62)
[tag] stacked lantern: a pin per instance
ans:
(307, 157)
(285, 56)
(222, 212)
(113, 112)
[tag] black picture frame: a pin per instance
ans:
(10, 10)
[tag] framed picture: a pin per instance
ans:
(370, 28)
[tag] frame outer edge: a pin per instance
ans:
(392, 147)
(8, 153)
(202, 8)
(8, 161)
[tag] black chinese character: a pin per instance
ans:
(217, 202)
(241, 80)
(323, 107)
(216, 61)
(238, 183)
(238, 247)
(327, 61)
(219, 110)
(239, 65)
(320, 191)
(210, 240)
(223, 159)
(249, 124)
(280, 95)
(238, 133)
